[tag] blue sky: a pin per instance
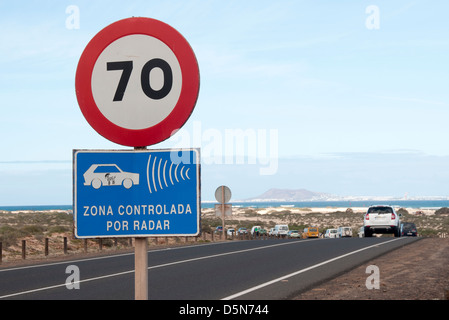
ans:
(356, 110)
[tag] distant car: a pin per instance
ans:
(343, 232)
(218, 229)
(230, 232)
(330, 233)
(109, 175)
(271, 232)
(311, 232)
(242, 231)
(408, 229)
(381, 219)
(280, 230)
(293, 234)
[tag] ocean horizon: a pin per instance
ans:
(418, 204)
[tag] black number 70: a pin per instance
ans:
(127, 67)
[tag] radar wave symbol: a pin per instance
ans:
(164, 173)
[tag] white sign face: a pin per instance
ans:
(136, 81)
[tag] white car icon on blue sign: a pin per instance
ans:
(109, 175)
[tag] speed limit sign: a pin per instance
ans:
(137, 82)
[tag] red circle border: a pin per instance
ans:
(189, 91)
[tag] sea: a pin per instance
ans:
(418, 204)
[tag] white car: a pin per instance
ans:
(381, 219)
(330, 233)
(293, 234)
(280, 230)
(343, 232)
(109, 175)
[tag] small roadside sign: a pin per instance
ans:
(227, 209)
(136, 193)
(223, 194)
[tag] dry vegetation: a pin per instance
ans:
(34, 227)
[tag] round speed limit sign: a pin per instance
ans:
(137, 82)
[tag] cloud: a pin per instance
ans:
(412, 100)
(390, 172)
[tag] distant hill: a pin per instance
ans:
(290, 195)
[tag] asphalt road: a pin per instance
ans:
(259, 269)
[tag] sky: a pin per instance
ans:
(343, 97)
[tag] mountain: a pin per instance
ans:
(289, 195)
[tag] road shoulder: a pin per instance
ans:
(417, 271)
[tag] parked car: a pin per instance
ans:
(361, 232)
(230, 232)
(381, 219)
(408, 229)
(311, 232)
(271, 232)
(218, 229)
(330, 233)
(293, 234)
(242, 231)
(280, 230)
(343, 232)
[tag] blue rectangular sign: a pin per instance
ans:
(136, 193)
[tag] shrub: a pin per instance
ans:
(33, 230)
(443, 210)
(9, 235)
(58, 229)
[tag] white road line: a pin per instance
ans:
(103, 257)
(65, 262)
(130, 271)
(228, 253)
(190, 260)
(236, 295)
(63, 285)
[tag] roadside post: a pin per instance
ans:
(137, 83)
(223, 195)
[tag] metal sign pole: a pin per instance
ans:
(223, 195)
(223, 236)
(141, 268)
(141, 264)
